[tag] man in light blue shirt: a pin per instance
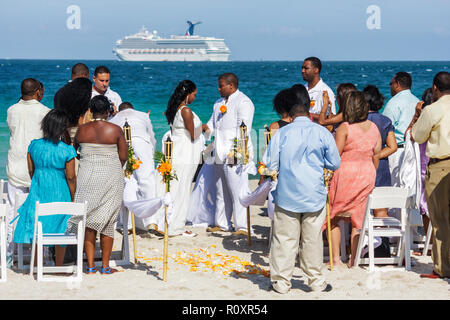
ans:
(299, 152)
(400, 109)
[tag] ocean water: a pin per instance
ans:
(148, 85)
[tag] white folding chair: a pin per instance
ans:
(3, 191)
(3, 243)
(386, 197)
(19, 199)
(40, 239)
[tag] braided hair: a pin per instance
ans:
(183, 89)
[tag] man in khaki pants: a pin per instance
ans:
(433, 125)
(299, 152)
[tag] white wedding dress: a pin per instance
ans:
(186, 158)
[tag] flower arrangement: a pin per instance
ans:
(327, 176)
(266, 172)
(165, 168)
(133, 162)
(237, 153)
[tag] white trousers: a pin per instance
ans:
(228, 206)
(12, 190)
(291, 229)
(146, 179)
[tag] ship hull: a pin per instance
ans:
(126, 56)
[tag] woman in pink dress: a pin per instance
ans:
(358, 141)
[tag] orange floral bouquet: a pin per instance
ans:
(265, 172)
(165, 168)
(133, 162)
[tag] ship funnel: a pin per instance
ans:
(190, 30)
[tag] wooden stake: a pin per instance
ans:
(134, 237)
(329, 228)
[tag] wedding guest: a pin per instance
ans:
(79, 70)
(326, 118)
(433, 125)
(311, 69)
(229, 112)
(400, 109)
(281, 104)
(74, 98)
(101, 79)
(358, 141)
(143, 143)
(299, 152)
(24, 123)
(186, 129)
(388, 143)
(103, 152)
(51, 166)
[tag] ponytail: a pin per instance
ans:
(183, 89)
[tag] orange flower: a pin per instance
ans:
(312, 103)
(164, 168)
(223, 109)
(135, 166)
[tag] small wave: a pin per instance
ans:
(429, 70)
(364, 76)
(57, 65)
(146, 68)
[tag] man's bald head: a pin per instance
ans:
(29, 88)
(80, 70)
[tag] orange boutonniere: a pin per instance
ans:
(312, 103)
(223, 109)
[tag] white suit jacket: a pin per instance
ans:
(225, 127)
(141, 126)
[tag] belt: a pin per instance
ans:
(400, 146)
(436, 160)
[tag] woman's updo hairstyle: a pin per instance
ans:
(373, 97)
(356, 107)
(183, 89)
(99, 104)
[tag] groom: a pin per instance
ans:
(229, 112)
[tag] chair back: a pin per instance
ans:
(67, 208)
(389, 197)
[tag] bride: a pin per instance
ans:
(186, 129)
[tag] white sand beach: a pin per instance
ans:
(202, 268)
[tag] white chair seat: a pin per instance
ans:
(59, 239)
(386, 222)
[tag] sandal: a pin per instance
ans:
(107, 270)
(92, 270)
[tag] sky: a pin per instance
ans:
(254, 30)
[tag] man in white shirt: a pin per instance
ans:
(101, 80)
(24, 122)
(143, 142)
(228, 114)
(311, 69)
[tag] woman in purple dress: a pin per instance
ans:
(388, 143)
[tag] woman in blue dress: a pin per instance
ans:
(388, 143)
(51, 164)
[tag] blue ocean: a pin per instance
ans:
(148, 85)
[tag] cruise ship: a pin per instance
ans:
(149, 46)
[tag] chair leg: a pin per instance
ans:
(20, 256)
(344, 233)
(408, 248)
(371, 250)
(427, 240)
(3, 248)
(40, 260)
(33, 253)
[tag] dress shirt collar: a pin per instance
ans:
(32, 101)
(302, 119)
(317, 86)
(232, 96)
(406, 91)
